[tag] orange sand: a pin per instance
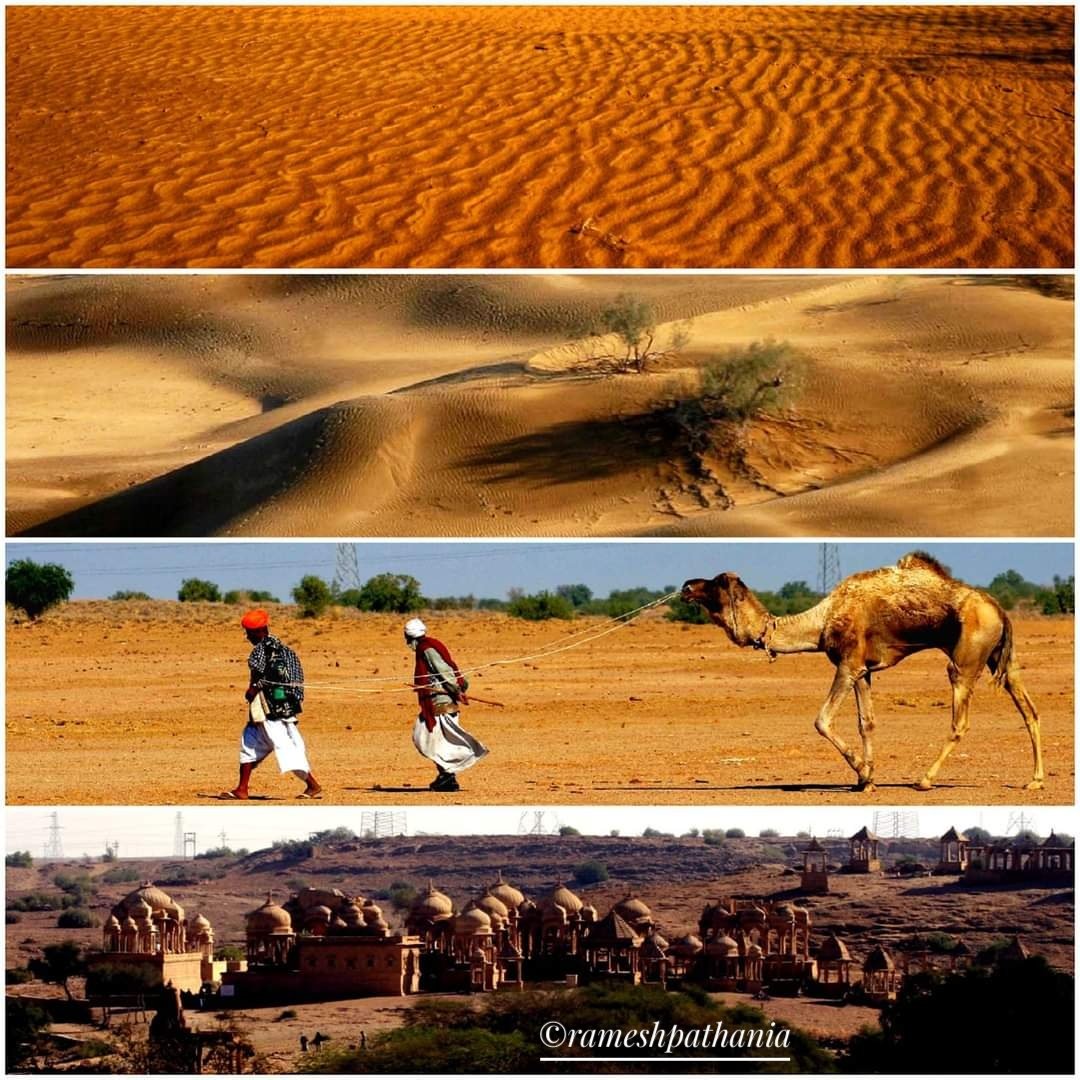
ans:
(409, 405)
(539, 136)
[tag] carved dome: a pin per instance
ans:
(199, 922)
(492, 905)
(562, 896)
(472, 921)
(633, 909)
(269, 919)
(372, 913)
(432, 905)
(723, 946)
(504, 891)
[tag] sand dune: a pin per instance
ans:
(540, 136)
(461, 406)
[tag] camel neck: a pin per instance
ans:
(797, 633)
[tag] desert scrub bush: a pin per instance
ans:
(194, 589)
(250, 596)
(590, 872)
(75, 918)
(312, 595)
(129, 594)
(35, 587)
(633, 322)
(540, 606)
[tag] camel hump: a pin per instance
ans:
(920, 560)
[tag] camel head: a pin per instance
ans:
(731, 606)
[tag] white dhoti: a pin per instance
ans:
(448, 744)
(282, 737)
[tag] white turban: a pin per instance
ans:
(415, 628)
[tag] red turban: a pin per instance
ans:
(255, 620)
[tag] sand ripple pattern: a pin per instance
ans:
(424, 137)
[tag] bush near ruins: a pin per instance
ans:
(75, 918)
(193, 590)
(35, 587)
(590, 872)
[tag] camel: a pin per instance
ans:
(870, 622)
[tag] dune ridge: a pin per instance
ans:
(462, 406)
(540, 136)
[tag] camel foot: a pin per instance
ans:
(923, 785)
(1034, 785)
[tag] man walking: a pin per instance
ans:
(440, 686)
(274, 695)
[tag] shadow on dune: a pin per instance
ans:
(576, 450)
(204, 497)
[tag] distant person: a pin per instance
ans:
(363, 1040)
(440, 687)
(275, 697)
(303, 1044)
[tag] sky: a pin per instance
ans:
(491, 568)
(147, 831)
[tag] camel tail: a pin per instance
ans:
(1001, 660)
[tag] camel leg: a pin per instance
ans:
(1023, 702)
(841, 687)
(864, 705)
(963, 684)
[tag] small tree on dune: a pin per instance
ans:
(35, 587)
(633, 322)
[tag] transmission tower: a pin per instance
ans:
(112, 849)
(189, 845)
(828, 568)
(223, 838)
(346, 569)
(538, 823)
(1019, 822)
(54, 848)
(894, 824)
(380, 823)
(178, 836)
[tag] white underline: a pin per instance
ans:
(664, 1058)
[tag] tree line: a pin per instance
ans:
(35, 588)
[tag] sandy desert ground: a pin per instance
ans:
(676, 878)
(133, 703)
(540, 136)
(455, 405)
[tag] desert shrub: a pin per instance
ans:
(35, 587)
(734, 834)
(653, 834)
(294, 849)
(394, 593)
(287, 1014)
(75, 918)
(578, 595)
(11, 917)
(312, 595)
(17, 976)
(773, 853)
(978, 835)
(713, 837)
(250, 596)
(745, 384)
(130, 594)
(401, 895)
(590, 872)
(917, 1031)
(116, 874)
(490, 603)
(196, 589)
(24, 1023)
(768, 834)
(104, 980)
(36, 901)
(59, 963)
(453, 603)
(541, 606)
(633, 321)
(19, 858)
(678, 610)
(569, 830)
